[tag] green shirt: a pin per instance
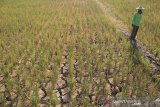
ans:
(137, 19)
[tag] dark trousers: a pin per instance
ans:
(134, 31)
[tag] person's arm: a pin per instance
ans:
(134, 17)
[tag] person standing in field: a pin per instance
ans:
(136, 22)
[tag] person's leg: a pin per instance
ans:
(133, 32)
(136, 30)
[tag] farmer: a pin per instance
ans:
(136, 22)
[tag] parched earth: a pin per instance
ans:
(62, 88)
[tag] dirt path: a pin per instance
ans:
(154, 63)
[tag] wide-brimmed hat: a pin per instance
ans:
(140, 8)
